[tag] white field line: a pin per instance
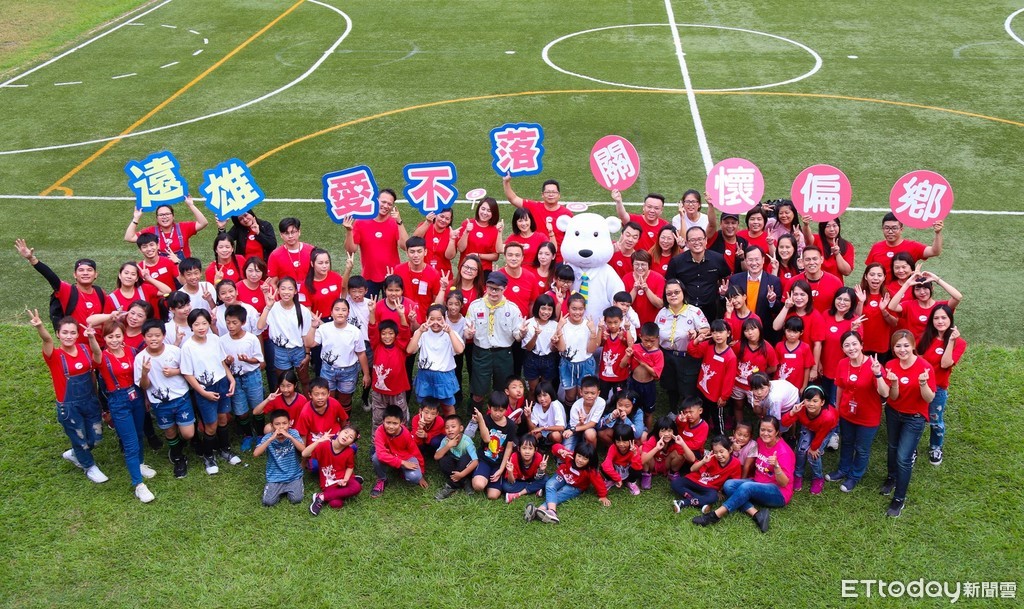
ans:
(167, 65)
(874, 210)
(84, 44)
(1009, 30)
(698, 124)
(326, 54)
(64, 84)
(124, 75)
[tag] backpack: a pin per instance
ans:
(58, 312)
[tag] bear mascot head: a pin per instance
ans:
(587, 248)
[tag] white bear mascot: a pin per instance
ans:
(587, 248)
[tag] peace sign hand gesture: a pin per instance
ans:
(33, 317)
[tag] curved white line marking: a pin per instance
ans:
(817, 58)
(1009, 30)
(326, 54)
(84, 44)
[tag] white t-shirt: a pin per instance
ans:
(576, 338)
(198, 302)
(161, 388)
(702, 221)
(340, 345)
(436, 352)
(782, 397)
(578, 417)
(543, 344)
(458, 326)
(248, 345)
(553, 417)
(204, 361)
(285, 330)
(359, 316)
(252, 318)
(171, 333)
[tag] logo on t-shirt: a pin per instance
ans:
(378, 234)
(873, 303)
(853, 378)
(515, 289)
(889, 254)
(323, 290)
(833, 329)
(479, 235)
(922, 318)
(904, 380)
(939, 350)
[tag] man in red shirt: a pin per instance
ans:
(88, 299)
(650, 221)
(542, 211)
(173, 235)
(291, 258)
(823, 285)
(422, 282)
(892, 229)
(622, 258)
(377, 240)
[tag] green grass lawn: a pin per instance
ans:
(207, 542)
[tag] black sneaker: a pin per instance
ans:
(530, 512)
(317, 505)
(887, 486)
(761, 518)
(935, 456)
(155, 442)
(895, 508)
(705, 519)
(180, 467)
(445, 492)
(836, 476)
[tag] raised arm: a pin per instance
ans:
(130, 234)
(620, 208)
(513, 198)
(936, 247)
(201, 221)
(28, 254)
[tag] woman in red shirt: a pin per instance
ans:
(755, 234)
(226, 264)
(437, 231)
(840, 319)
(872, 303)
(544, 265)
(132, 285)
(838, 255)
(470, 280)
(787, 255)
(942, 347)
(800, 303)
(665, 249)
(909, 388)
(524, 231)
(913, 313)
(860, 410)
(482, 234)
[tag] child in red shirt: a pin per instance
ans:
(646, 361)
(524, 471)
(692, 428)
(394, 447)
(428, 428)
(285, 397)
(613, 369)
(337, 461)
(717, 369)
(388, 342)
(576, 473)
(662, 454)
(818, 420)
(700, 487)
(322, 416)
(794, 355)
(753, 354)
(624, 462)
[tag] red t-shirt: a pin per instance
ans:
(717, 370)
(648, 234)
(77, 364)
(522, 291)
(255, 298)
(134, 342)
(422, 287)
(468, 296)
(170, 242)
(613, 350)
(633, 459)
(823, 290)
(859, 402)
(436, 429)
(123, 368)
(914, 317)
(786, 277)
(910, 400)
(819, 426)
(813, 326)
(389, 377)
(392, 450)
(252, 246)
(933, 355)
(736, 324)
(760, 241)
(748, 362)
(713, 475)
(655, 359)
(829, 263)
(661, 456)
(875, 331)
(437, 244)
(88, 304)
(543, 282)
(333, 465)
(378, 246)
(283, 263)
(294, 409)
(541, 214)
(116, 301)
(232, 270)
(530, 245)
(482, 239)
(645, 311)
(622, 263)
(581, 479)
(831, 346)
(694, 437)
(524, 473)
(163, 270)
(325, 292)
(311, 424)
(793, 364)
(729, 250)
(883, 254)
(412, 312)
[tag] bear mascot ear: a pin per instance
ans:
(614, 225)
(562, 223)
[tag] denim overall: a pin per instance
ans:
(127, 412)
(79, 414)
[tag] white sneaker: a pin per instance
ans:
(143, 493)
(833, 442)
(69, 455)
(147, 471)
(94, 474)
(210, 463)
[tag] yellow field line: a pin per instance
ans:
(59, 183)
(445, 102)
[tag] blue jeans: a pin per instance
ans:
(855, 448)
(412, 476)
(705, 495)
(802, 459)
(209, 409)
(742, 494)
(530, 486)
(127, 415)
(557, 490)
(79, 415)
(904, 432)
(248, 392)
(936, 415)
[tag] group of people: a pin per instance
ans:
(764, 355)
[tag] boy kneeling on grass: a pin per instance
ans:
(456, 457)
(284, 468)
(394, 447)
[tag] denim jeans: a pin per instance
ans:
(802, 459)
(557, 490)
(936, 415)
(127, 416)
(248, 392)
(412, 476)
(79, 415)
(904, 432)
(705, 495)
(530, 486)
(742, 494)
(855, 448)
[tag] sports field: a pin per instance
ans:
(298, 89)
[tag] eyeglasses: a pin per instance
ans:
(165, 215)
(495, 288)
(696, 240)
(673, 293)
(890, 229)
(469, 267)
